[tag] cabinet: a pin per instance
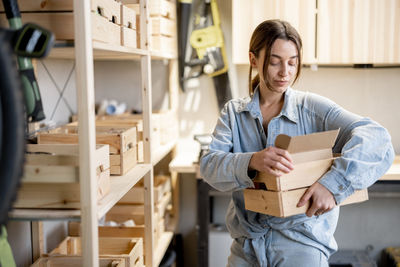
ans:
(358, 31)
(333, 32)
(86, 50)
(246, 15)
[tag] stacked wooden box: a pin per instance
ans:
(131, 206)
(162, 24)
(122, 142)
(128, 250)
(312, 158)
(112, 22)
(164, 128)
(51, 176)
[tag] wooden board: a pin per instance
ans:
(157, 8)
(61, 261)
(128, 37)
(128, 249)
(284, 204)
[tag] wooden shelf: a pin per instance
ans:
(120, 185)
(162, 246)
(44, 214)
(162, 151)
(184, 163)
(103, 51)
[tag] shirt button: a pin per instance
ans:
(341, 187)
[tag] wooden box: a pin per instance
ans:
(62, 25)
(157, 8)
(312, 157)
(51, 178)
(122, 142)
(128, 27)
(128, 249)
(75, 261)
(163, 43)
(60, 163)
(137, 231)
(284, 203)
(123, 212)
(162, 186)
(163, 26)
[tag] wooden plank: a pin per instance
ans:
(87, 135)
(37, 239)
(73, 261)
(128, 37)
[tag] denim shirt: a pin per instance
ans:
(366, 149)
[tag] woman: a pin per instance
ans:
(243, 145)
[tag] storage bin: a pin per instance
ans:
(51, 178)
(122, 142)
(130, 250)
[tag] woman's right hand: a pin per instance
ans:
(272, 160)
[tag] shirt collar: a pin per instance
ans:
(289, 109)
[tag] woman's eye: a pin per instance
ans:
(274, 63)
(292, 63)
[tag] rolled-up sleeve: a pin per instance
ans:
(222, 169)
(366, 153)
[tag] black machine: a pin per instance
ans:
(199, 23)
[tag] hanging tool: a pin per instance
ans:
(34, 107)
(206, 52)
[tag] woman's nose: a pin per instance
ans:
(284, 70)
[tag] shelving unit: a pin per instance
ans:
(84, 51)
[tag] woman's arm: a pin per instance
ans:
(222, 169)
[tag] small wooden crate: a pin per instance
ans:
(157, 8)
(137, 231)
(123, 212)
(74, 261)
(107, 8)
(52, 180)
(128, 249)
(162, 186)
(163, 26)
(122, 142)
(284, 203)
(128, 27)
(57, 16)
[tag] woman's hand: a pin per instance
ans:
(322, 200)
(272, 160)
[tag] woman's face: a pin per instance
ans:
(282, 67)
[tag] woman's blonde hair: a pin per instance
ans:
(264, 36)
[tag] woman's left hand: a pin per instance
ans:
(322, 200)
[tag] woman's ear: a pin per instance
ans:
(253, 60)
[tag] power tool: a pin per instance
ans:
(206, 52)
(33, 101)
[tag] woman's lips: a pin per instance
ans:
(281, 83)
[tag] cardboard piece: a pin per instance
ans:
(312, 158)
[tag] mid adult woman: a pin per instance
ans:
(242, 145)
